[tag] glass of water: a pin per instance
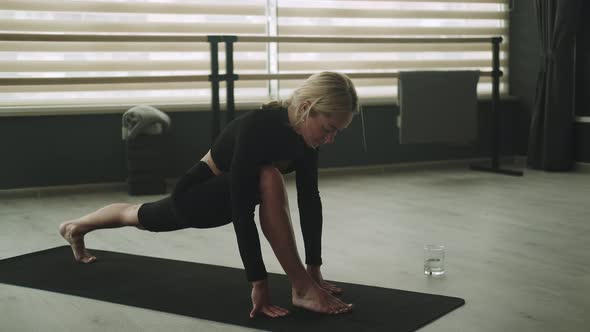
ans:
(434, 259)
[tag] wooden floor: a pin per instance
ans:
(518, 249)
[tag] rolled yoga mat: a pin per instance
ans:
(215, 293)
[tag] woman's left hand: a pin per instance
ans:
(316, 275)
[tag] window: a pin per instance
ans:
(434, 18)
(22, 59)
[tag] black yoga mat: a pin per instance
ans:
(214, 293)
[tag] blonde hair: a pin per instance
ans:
(327, 92)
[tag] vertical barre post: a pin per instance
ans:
(214, 78)
(229, 77)
(496, 117)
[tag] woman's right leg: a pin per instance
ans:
(111, 216)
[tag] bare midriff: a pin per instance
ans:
(209, 160)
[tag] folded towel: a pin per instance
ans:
(144, 119)
(438, 106)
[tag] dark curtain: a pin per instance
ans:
(551, 141)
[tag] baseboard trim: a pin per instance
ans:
(412, 166)
(38, 192)
(583, 167)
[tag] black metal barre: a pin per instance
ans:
(230, 78)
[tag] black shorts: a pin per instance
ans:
(199, 200)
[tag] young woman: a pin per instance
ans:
(243, 169)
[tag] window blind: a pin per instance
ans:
(100, 59)
(340, 18)
(405, 18)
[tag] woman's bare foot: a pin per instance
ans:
(319, 300)
(70, 232)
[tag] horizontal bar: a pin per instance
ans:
(177, 78)
(101, 38)
(204, 38)
(248, 77)
(264, 39)
(131, 65)
(101, 80)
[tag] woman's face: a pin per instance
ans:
(319, 128)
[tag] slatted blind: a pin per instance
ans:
(100, 59)
(341, 18)
(405, 18)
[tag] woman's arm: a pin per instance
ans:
(245, 169)
(310, 212)
(310, 206)
(245, 178)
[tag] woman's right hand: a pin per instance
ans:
(261, 301)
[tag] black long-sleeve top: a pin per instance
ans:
(259, 138)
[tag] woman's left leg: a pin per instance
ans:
(275, 221)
